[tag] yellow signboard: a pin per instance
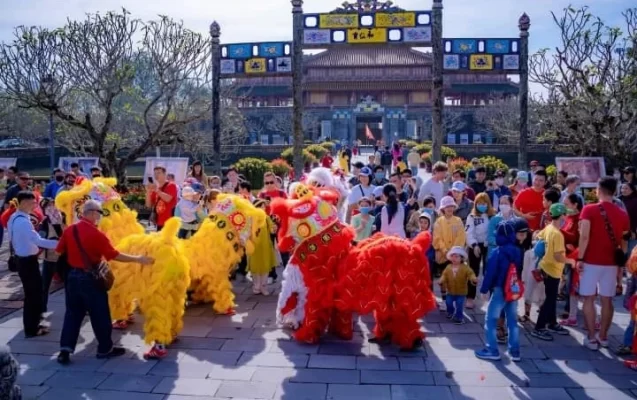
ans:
(395, 20)
(255, 66)
(372, 35)
(481, 62)
(338, 21)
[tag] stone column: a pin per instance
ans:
(437, 90)
(297, 86)
(524, 23)
(215, 32)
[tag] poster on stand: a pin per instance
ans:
(85, 163)
(589, 169)
(173, 165)
(5, 163)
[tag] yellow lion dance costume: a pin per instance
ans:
(158, 289)
(218, 246)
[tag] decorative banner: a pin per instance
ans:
(85, 163)
(500, 55)
(173, 165)
(589, 169)
(395, 20)
(482, 62)
(373, 35)
(242, 59)
(400, 27)
(338, 21)
(255, 66)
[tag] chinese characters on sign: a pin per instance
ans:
(498, 55)
(256, 58)
(400, 27)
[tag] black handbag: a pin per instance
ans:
(101, 272)
(12, 262)
(619, 254)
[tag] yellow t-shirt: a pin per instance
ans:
(554, 240)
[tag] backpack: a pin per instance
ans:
(539, 250)
(513, 286)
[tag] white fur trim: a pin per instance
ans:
(292, 283)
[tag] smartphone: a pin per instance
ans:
(151, 180)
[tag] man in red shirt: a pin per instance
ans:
(327, 160)
(82, 292)
(603, 228)
(270, 190)
(529, 203)
(161, 197)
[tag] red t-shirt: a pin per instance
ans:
(164, 210)
(272, 194)
(327, 161)
(95, 244)
(599, 250)
(530, 201)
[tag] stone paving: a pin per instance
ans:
(247, 357)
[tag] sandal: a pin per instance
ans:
(41, 332)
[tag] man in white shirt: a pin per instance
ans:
(26, 243)
(435, 186)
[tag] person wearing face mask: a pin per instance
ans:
(69, 181)
(414, 226)
(96, 172)
(51, 228)
(54, 186)
(505, 214)
(497, 189)
(363, 223)
(380, 178)
(477, 230)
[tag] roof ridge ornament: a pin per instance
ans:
(366, 6)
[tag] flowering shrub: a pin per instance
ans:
(317, 150)
(133, 195)
(457, 163)
(280, 167)
(492, 164)
(307, 156)
(253, 169)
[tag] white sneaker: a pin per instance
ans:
(442, 306)
(591, 344)
(602, 343)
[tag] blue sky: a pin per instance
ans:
(261, 20)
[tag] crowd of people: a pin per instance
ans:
(483, 227)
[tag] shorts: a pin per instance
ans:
(598, 279)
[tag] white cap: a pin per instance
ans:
(447, 201)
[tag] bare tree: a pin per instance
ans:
(453, 120)
(590, 105)
(23, 123)
(281, 123)
(501, 117)
(256, 125)
(118, 85)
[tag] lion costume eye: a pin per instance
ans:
(213, 218)
(230, 236)
(106, 212)
(117, 207)
(221, 224)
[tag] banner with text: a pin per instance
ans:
(174, 165)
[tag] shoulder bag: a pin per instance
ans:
(12, 263)
(101, 272)
(619, 254)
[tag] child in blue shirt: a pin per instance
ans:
(508, 237)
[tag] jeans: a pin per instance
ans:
(29, 272)
(496, 306)
(48, 270)
(474, 263)
(548, 311)
(455, 305)
(628, 335)
(83, 294)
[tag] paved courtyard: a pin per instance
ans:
(247, 357)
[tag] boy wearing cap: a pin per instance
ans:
(190, 210)
(454, 280)
(552, 267)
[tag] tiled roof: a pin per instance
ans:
(368, 85)
(368, 56)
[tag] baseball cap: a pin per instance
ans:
(523, 176)
(458, 186)
(557, 210)
(366, 171)
(197, 187)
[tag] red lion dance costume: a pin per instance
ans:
(327, 279)
(318, 241)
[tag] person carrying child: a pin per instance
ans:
(455, 279)
(502, 281)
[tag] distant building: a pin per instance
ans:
(386, 88)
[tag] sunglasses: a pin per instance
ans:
(269, 183)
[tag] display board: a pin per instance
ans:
(482, 55)
(254, 59)
(396, 27)
(174, 165)
(85, 163)
(589, 169)
(5, 163)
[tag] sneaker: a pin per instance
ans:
(156, 352)
(458, 321)
(115, 352)
(120, 325)
(486, 354)
(624, 350)
(449, 316)
(542, 335)
(569, 322)
(442, 306)
(591, 344)
(64, 357)
(515, 355)
(602, 342)
(558, 330)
